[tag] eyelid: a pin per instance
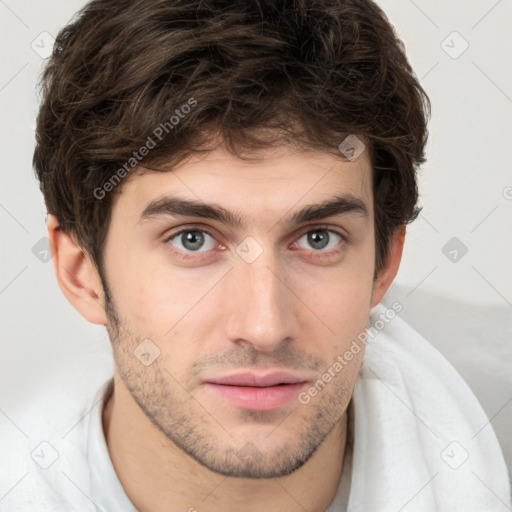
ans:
(182, 229)
(332, 229)
(197, 256)
(299, 232)
(206, 229)
(319, 254)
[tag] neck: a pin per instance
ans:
(158, 476)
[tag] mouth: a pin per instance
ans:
(256, 392)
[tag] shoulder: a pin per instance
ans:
(44, 463)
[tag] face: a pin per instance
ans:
(222, 317)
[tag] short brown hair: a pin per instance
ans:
(261, 73)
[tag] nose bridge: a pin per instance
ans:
(261, 306)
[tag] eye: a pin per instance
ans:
(321, 239)
(192, 240)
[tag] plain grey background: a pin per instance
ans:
(455, 279)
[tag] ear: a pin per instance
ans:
(76, 274)
(390, 268)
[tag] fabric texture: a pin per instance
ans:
(421, 442)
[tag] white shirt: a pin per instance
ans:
(419, 444)
(76, 473)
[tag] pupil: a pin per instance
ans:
(318, 239)
(192, 240)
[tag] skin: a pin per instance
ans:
(295, 307)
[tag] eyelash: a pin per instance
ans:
(194, 256)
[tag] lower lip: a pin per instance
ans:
(257, 399)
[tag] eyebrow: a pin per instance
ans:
(178, 207)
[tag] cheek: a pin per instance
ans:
(163, 303)
(340, 295)
(142, 295)
(340, 298)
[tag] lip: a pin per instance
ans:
(256, 380)
(257, 392)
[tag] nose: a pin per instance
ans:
(261, 305)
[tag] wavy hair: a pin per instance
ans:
(263, 72)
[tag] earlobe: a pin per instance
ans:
(389, 270)
(76, 274)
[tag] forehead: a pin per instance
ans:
(262, 189)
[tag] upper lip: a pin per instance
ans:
(259, 381)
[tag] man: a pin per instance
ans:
(228, 186)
